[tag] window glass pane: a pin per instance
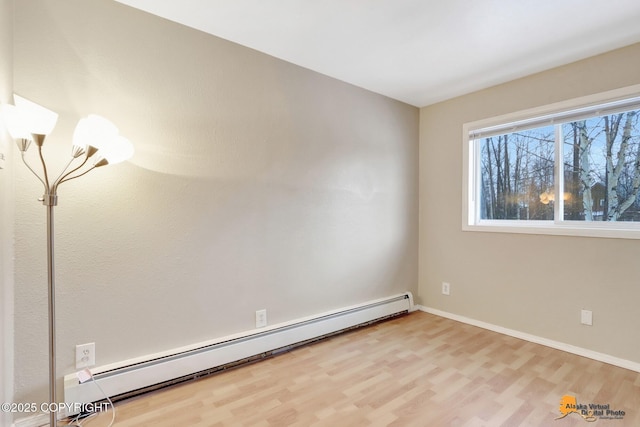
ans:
(516, 175)
(601, 159)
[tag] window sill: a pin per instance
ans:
(604, 230)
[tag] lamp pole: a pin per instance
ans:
(50, 200)
(51, 277)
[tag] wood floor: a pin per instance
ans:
(416, 370)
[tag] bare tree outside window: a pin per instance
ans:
(517, 179)
(600, 169)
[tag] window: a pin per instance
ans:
(571, 168)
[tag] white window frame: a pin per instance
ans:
(543, 115)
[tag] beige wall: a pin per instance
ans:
(256, 184)
(6, 214)
(534, 284)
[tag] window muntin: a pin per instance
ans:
(563, 169)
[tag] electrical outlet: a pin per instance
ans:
(586, 317)
(446, 288)
(261, 318)
(85, 355)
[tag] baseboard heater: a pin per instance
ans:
(153, 372)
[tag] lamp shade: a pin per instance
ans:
(117, 150)
(16, 122)
(41, 120)
(94, 130)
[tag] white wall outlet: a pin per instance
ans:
(446, 288)
(261, 318)
(586, 317)
(85, 355)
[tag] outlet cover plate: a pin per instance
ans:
(586, 317)
(261, 318)
(446, 288)
(85, 355)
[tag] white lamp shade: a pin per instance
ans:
(117, 150)
(41, 120)
(94, 130)
(16, 122)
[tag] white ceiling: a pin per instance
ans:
(416, 51)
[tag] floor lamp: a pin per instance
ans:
(94, 138)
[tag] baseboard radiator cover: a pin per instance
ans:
(173, 367)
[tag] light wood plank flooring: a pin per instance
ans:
(416, 370)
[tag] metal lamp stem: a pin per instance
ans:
(50, 200)
(52, 313)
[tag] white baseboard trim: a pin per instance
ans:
(33, 421)
(601, 357)
(39, 420)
